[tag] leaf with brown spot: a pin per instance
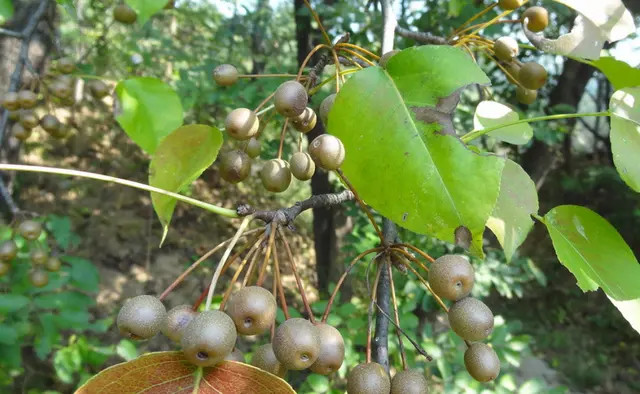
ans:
(170, 373)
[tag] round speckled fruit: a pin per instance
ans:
(141, 317)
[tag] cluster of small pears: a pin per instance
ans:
(41, 262)
(290, 100)
(528, 77)
(450, 277)
(56, 88)
(209, 337)
(128, 16)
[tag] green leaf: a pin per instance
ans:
(620, 74)
(625, 135)
(60, 228)
(630, 309)
(146, 8)
(47, 337)
(180, 159)
(64, 300)
(490, 113)
(12, 302)
(393, 125)
(84, 274)
(8, 334)
(593, 251)
(151, 110)
(319, 383)
(6, 10)
(518, 199)
(127, 350)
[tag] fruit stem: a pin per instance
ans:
(277, 284)
(265, 110)
(373, 295)
(361, 203)
(336, 63)
(417, 250)
(230, 213)
(236, 275)
(473, 18)
(262, 103)
(292, 263)
(252, 263)
(330, 79)
(492, 21)
(353, 262)
(227, 252)
(487, 52)
(357, 48)
(308, 58)
(396, 315)
(426, 284)
(195, 265)
(318, 21)
(480, 132)
(197, 378)
(356, 54)
(267, 254)
(266, 75)
(410, 257)
(283, 133)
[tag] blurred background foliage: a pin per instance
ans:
(550, 336)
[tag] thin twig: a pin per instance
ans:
(285, 216)
(423, 38)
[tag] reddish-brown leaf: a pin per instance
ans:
(170, 373)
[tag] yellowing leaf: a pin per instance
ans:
(490, 114)
(169, 372)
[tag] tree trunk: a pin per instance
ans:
(14, 75)
(324, 219)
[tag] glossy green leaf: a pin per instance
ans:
(181, 158)
(625, 135)
(12, 302)
(393, 124)
(594, 252)
(150, 110)
(518, 199)
(146, 8)
(6, 10)
(490, 114)
(620, 74)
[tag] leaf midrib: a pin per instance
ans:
(419, 132)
